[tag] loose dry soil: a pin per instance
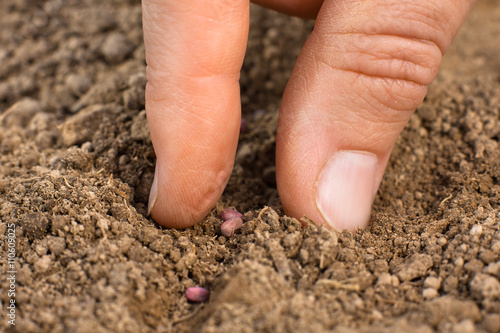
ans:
(76, 165)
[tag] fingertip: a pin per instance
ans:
(182, 202)
(183, 209)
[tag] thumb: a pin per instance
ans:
(363, 71)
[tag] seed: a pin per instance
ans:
(244, 126)
(229, 213)
(232, 221)
(230, 226)
(259, 114)
(197, 294)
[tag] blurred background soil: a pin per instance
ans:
(76, 165)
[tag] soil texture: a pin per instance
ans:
(76, 165)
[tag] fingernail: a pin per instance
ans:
(345, 189)
(153, 195)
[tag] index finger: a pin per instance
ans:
(194, 53)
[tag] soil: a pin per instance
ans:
(76, 165)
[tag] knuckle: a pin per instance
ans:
(388, 72)
(402, 40)
(393, 57)
(388, 57)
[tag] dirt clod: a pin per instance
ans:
(416, 266)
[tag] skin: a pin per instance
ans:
(360, 76)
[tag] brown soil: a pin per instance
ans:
(76, 165)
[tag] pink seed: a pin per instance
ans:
(197, 294)
(257, 114)
(244, 126)
(230, 226)
(229, 213)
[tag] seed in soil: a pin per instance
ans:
(258, 114)
(229, 213)
(244, 126)
(230, 226)
(197, 294)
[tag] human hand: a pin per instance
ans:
(360, 76)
